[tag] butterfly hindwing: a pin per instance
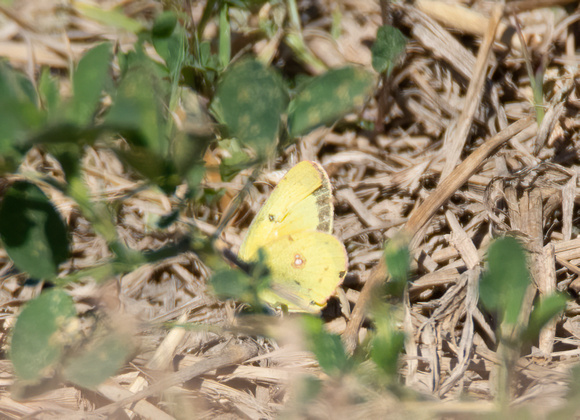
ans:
(306, 268)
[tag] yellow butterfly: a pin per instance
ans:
(294, 228)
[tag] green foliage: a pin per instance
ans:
(388, 340)
(137, 108)
(544, 311)
(225, 36)
(142, 122)
(170, 41)
(15, 86)
(39, 336)
(397, 260)
(502, 290)
(89, 80)
(250, 100)
(503, 287)
(326, 347)
(32, 231)
(164, 25)
(19, 115)
(46, 331)
(48, 91)
(235, 284)
(388, 49)
(243, 285)
(328, 97)
(100, 358)
(139, 113)
(112, 17)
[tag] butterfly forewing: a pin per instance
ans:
(301, 201)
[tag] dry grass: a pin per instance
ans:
(456, 159)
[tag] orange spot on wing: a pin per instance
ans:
(299, 261)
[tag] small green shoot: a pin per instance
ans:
(502, 290)
(503, 287)
(388, 340)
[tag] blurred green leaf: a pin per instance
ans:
(187, 153)
(89, 79)
(231, 284)
(112, 17)
(225, 36)
(34, 235)
(38, 336)
(188, 146)
(65, 141)
(388, 341)
(574, 390)
(15, 86)
(139, 113)
(327, 98)
(207, 59)
(19, 116)
(326, 347)
(398, 261)
(504, 285)
(243, 284)
(155, 168)
(295, 40)
(101, 357)
(48, 89)
(388, 49)
(138, 107)
(250, 100)
(546, 308)
(17, 120)
(236, 160)
(170, 41)
(247, 4)
(164, 25)
(69, 157)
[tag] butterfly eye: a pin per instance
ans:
(299, 261)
